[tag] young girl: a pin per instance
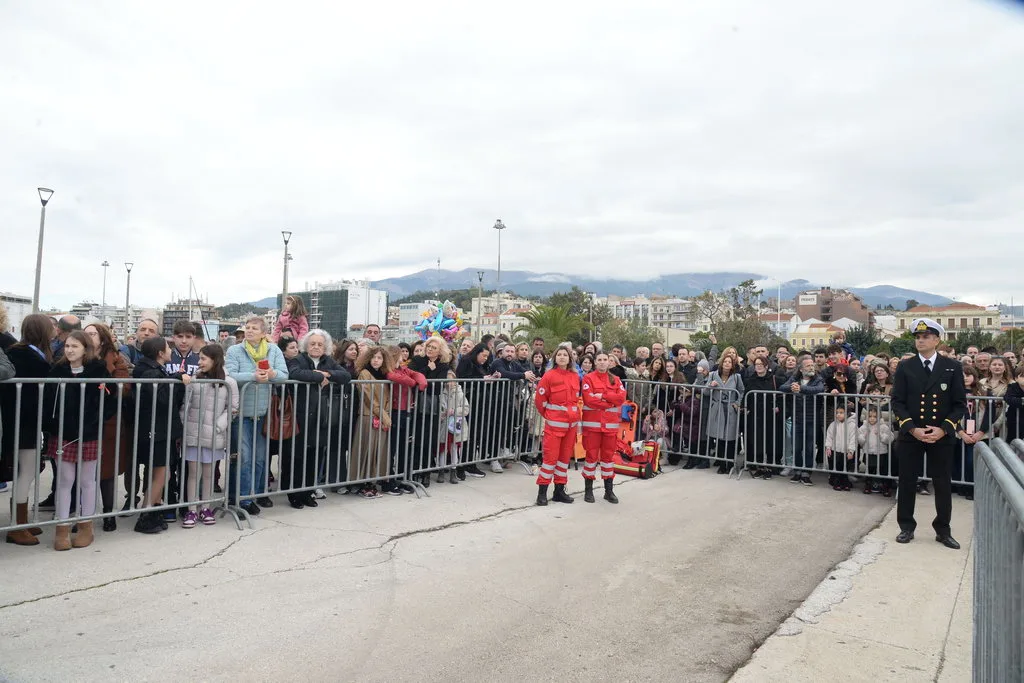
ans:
(292, 322)
(998, 382)
(73, 417)
(408, 385)
(841, 449)
(1014, 398)
(976, 427)
(207, 414)
(874, 437)
(455, 408)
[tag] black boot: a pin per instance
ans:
(609, 495)
(542, 494)
(588, 493)
(560, 495)
(723, 468)
(690, 463)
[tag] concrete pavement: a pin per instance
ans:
(679, 582)
(890, 613)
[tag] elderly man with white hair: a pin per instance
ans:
(317, 415)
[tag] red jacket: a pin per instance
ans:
(603, 396)
(405, 379)
(557, 400)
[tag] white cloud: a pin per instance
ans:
(795, 139)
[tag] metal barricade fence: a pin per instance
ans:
(796, 430)
(353, 437)
(94, 431)
(998, 648)
(703, 423)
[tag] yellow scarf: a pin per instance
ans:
(258, 353)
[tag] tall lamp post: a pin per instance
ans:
(127, 301)
(105, 264)
(287, 235)
(479, 303)
(499, 226)
(44, 196)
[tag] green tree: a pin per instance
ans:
(630, 333)
(862, 338)
(743, 299)
(745, 332)
(555, 324)
(971, 337)
(708, 306)
(236, 311)
(902, 344)
(911, 303)
(580, 303)
(1007, 341)
(701, 341)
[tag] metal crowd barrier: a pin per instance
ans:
(340, 443)
(126, 445)
(998, 649)
(704, 423)
(781, 426)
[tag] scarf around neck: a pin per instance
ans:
(258, 353)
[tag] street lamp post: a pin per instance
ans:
(44, 196)
(480, 303)
(127, 301)
(105, 264)
(499, 226)
(287, 235)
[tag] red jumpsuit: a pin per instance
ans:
(557, 402)
(603, 396)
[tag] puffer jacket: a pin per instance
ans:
(207, 413)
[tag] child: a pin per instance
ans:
(292, 323)
(689, 422)
(184, 361)
(455, 408)
(1014, 398)
(207, 415)
(73, 417)
(407, 382)
(841, 449)
(158, 426)
(874, 437)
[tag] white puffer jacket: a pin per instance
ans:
(207, 413)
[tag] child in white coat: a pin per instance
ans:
(874, 437)
(841, 449)
(207, 414)
(455, 409)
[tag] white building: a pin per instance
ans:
(505, 324)
(675, 314)
(409, 316)
(18, 307)
(628, 308)
(782, 325)
(489, 304)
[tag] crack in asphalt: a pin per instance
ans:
(127, 579)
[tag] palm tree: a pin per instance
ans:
(553, 323)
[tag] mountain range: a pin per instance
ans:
(528, 283)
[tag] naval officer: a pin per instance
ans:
(928, 399)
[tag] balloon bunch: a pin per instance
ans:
(444, 322)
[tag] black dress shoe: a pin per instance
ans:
(109, 524)
(250, 507)
(309, 501)
(948, 541)
(905, 537)
(296, 503)
(265, 502)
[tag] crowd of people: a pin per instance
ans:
(426, 412)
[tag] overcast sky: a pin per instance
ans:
(846, 143)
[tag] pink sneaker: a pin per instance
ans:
(207, 517)
(189, 520)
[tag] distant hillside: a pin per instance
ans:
(530, 284)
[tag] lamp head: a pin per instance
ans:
(44, 194)
(129, 266)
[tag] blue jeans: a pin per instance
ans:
(803, 444)
(252, 456)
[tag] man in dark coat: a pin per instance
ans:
(928, 399)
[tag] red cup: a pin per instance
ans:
(263, 364)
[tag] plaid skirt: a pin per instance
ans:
(90, 450)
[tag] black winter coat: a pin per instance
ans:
(159, 421)
(27, 365)
(323, 405)
(73, 411)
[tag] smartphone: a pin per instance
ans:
(263, 364)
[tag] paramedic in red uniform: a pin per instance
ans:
(603, 396)
(557, 402)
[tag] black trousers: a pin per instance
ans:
(911, 455)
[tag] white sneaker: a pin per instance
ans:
(319, 494)
(785, 472)
(506, 454)
(534, 470)
(496, 467)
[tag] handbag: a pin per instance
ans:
(277, 428)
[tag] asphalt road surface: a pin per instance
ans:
(680, 582)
